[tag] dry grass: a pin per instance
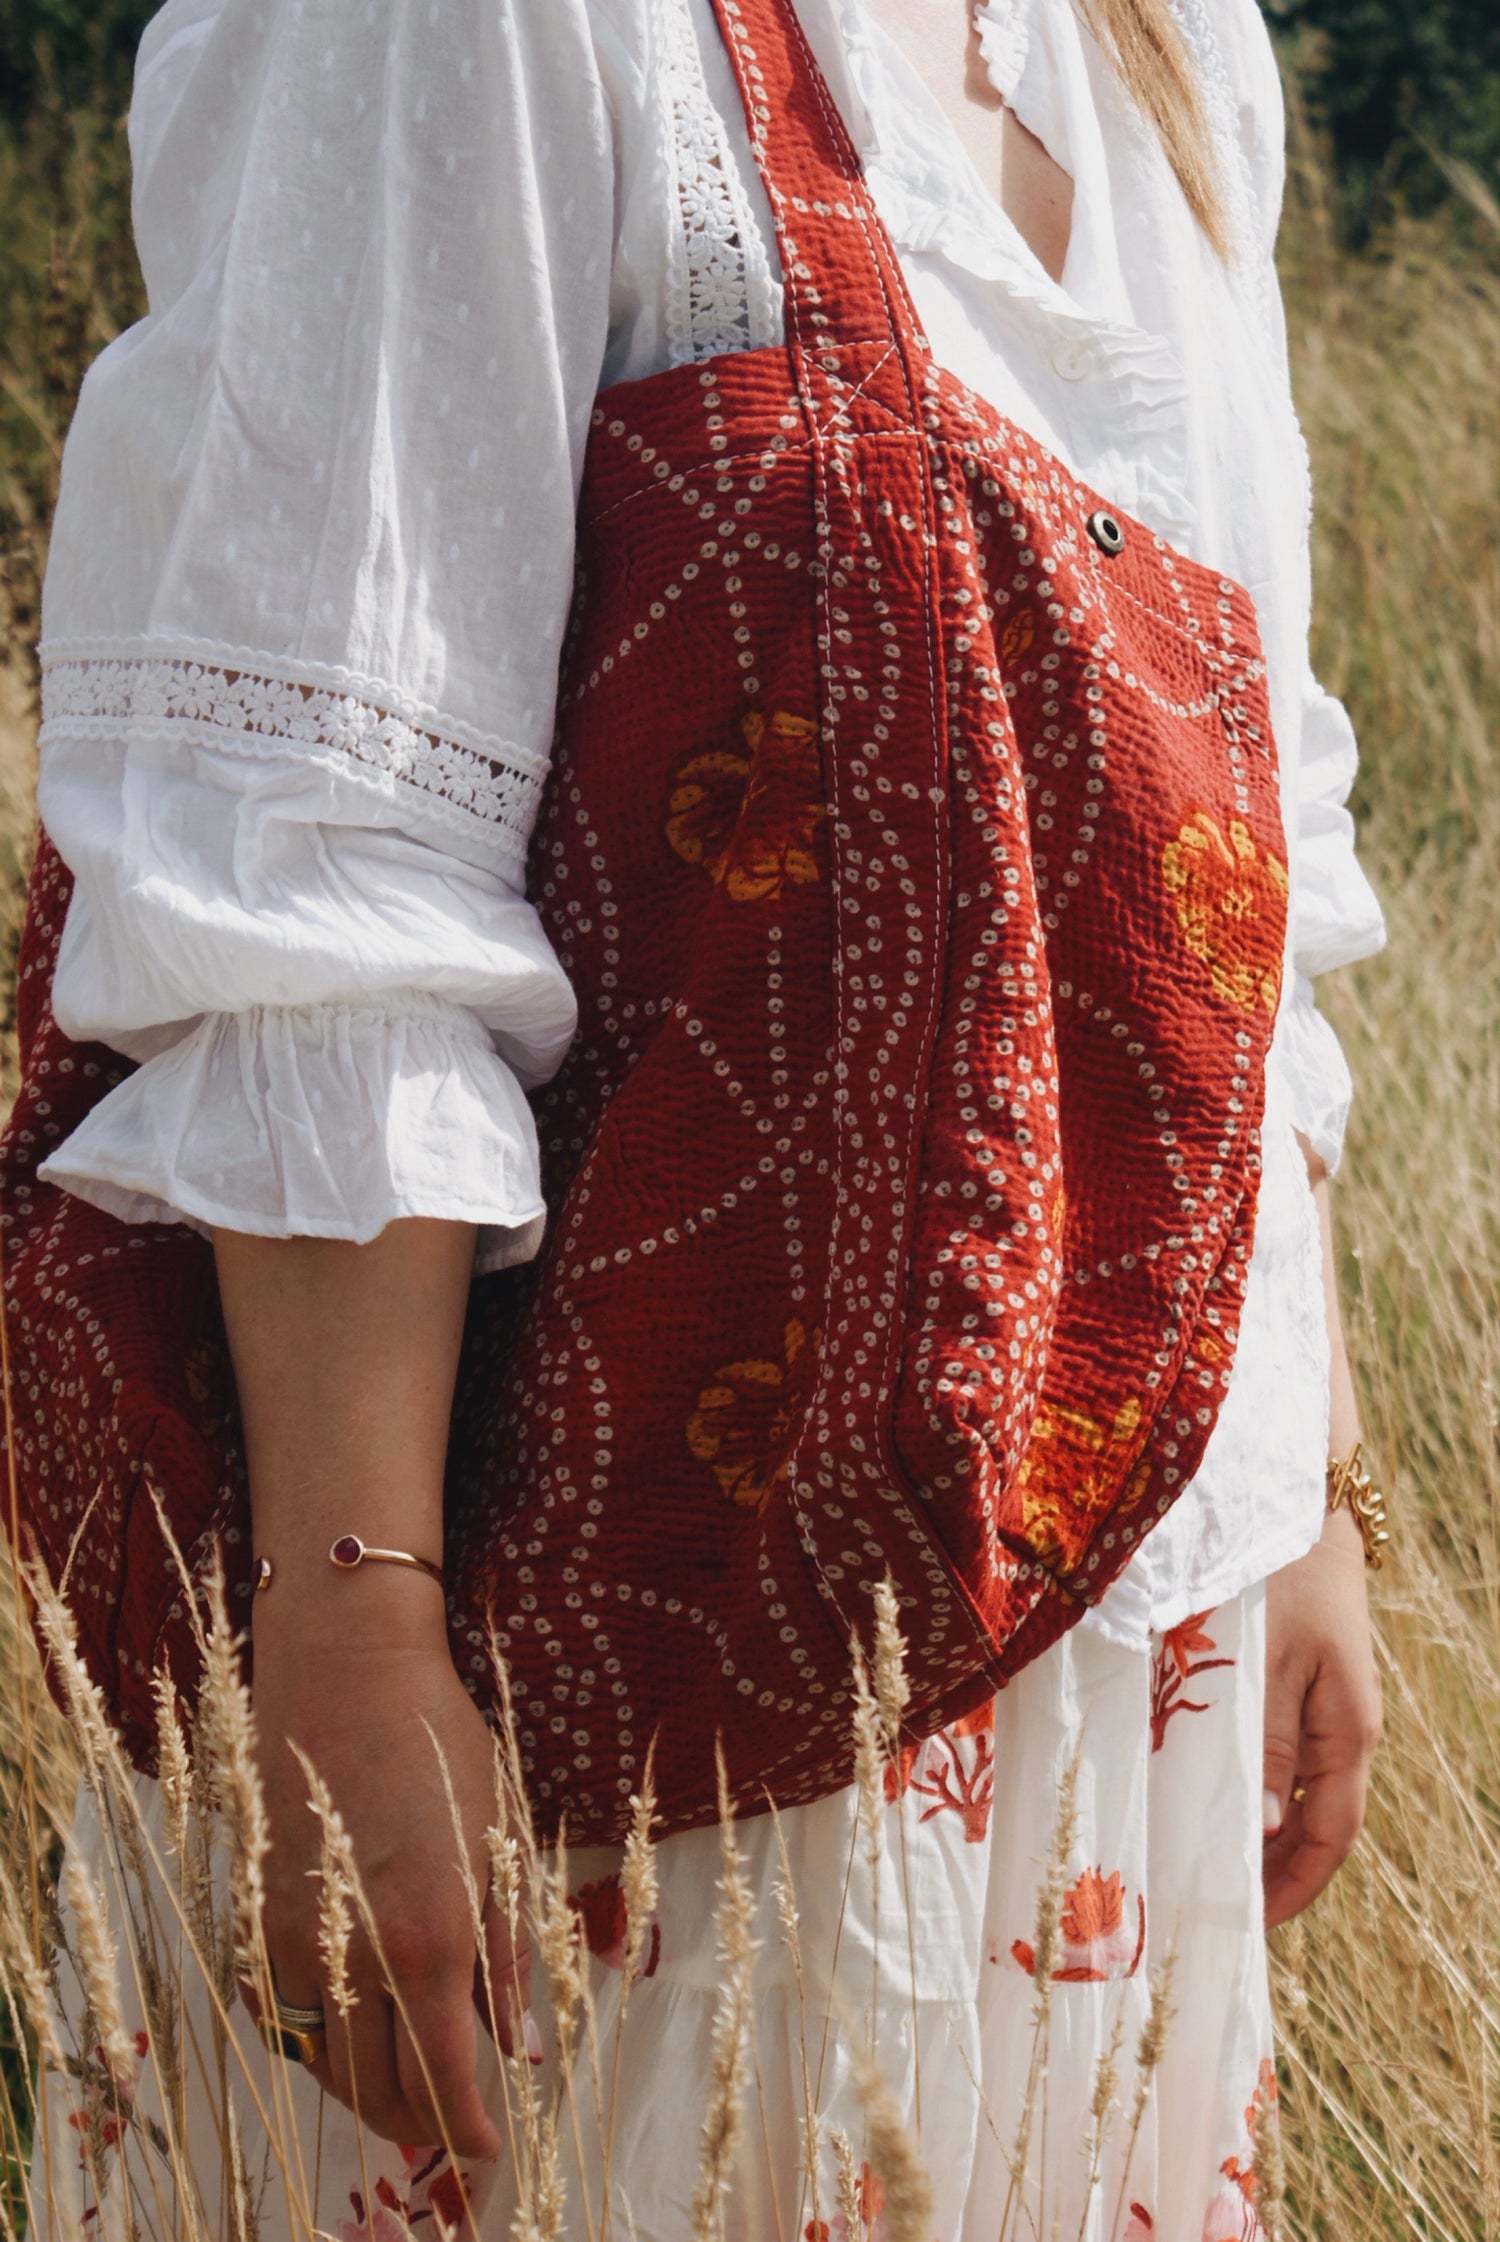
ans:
(1389, 1991)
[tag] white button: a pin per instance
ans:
(1073, 361)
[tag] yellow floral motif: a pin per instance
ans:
(1231, 907)
(746, 1418)
(1073, 1466)
(753, 821)
(204, 1374)
(1017, 635)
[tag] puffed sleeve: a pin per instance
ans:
(1336, 919)
(309, 578)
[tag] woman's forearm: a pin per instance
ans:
(1343, 1408)
(345, 1358)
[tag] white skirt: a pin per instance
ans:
(931, 1960)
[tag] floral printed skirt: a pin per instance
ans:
(932, 1958)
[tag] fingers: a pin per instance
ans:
(1340, 1727)
(1287, 1684)
(502, 1989)
(406, 2068)
(404, 2057)
(362, 2066)
(295, 1982)
(408, 2077)
(436, 2048)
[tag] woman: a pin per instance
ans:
(393, 254)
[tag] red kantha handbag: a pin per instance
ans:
(914, 847)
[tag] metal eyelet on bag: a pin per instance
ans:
(1106, 533)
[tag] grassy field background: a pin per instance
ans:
(1389, 1990)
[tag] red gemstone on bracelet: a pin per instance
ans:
(347, 1550)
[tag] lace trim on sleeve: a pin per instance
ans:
(219, 698)
(721, 295)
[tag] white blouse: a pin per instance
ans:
(313, 559)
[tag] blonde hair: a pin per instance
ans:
(1146, 47)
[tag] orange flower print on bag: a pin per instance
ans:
(1231, 907)
(1101, 1937)
(1233, 2215)
(601, 1912)
(1017, 635)
(209, 1384)
(1070, 1467)
(753, 822)
(745, 1417)
(955, 1769)
(1176, 1663)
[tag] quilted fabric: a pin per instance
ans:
(913, 843)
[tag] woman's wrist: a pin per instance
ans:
(311, 1601)
(345, 1358)
(1341, 1534)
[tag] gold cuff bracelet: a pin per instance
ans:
(1349, 1482)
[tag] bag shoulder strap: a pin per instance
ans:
(843, 280)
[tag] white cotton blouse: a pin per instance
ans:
(313, 554)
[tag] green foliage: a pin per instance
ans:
(1406, 89)
(1388, 2073)
(1406, 93)
(84, 49)
(68, 283)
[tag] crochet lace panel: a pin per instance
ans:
(214, 698)
(721, 296)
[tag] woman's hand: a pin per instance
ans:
(345, 1357)
(1322, 1689)
(1322, 1716)
(372, 1714)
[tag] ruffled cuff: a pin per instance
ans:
(319, 1121)
(1315, 1071)
(1337, 918)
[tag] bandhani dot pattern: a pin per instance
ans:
(919, 868)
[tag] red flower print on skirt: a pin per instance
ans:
(1233, 2215)
(1099, 1938)
(107, 2107)
(606, 1926)
(429, 2198)
(1176, 1664)
(955, 1769)
(871, 2226)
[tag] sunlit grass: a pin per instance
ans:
(1389, 1990)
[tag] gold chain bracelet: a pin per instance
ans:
(1349, 1482)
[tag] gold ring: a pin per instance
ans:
(298, 2035)
(298, 2019)
(293, 2043)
